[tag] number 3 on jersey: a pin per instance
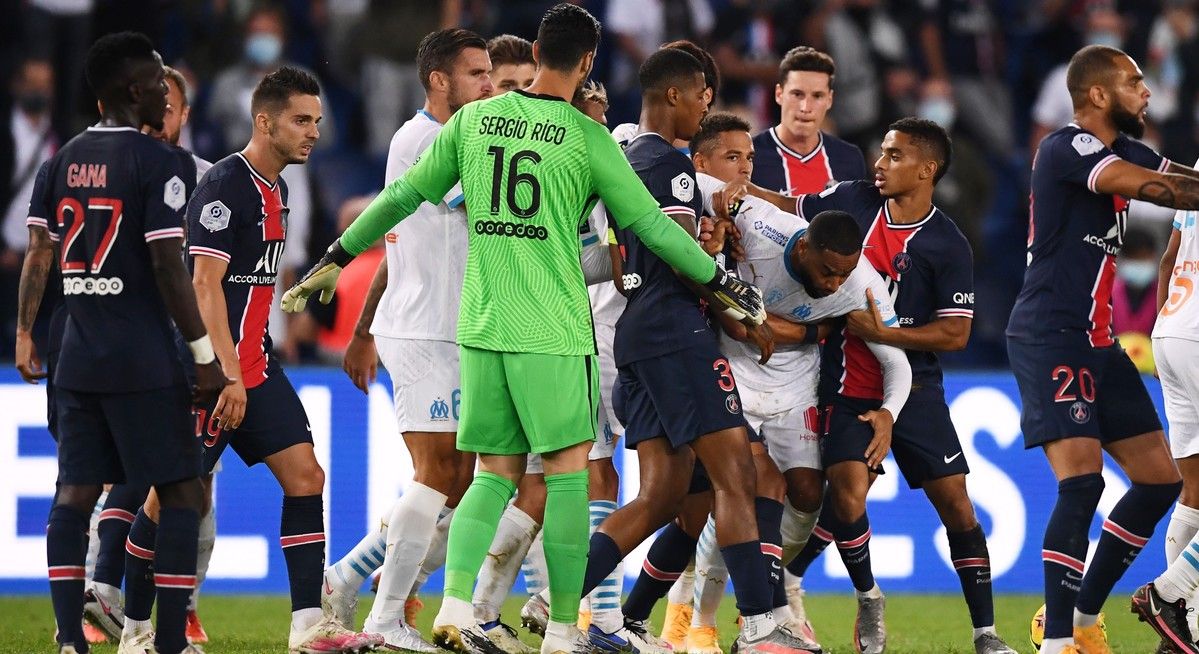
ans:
(521, 203)
(73, 260)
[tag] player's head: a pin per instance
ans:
(126, 75)
(1105, 79)
(33, 86)
(512, 65)
(592, 100)
(453, 65)
(828, 252)
(805, 90)
(286, 107)
(915, 153)
(711, 71)
(178, 108)
(723, 147)
(265, 36)
(674, 80)
(566, 41)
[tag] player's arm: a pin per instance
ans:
(35, 270)
(207, 280)
(1120, 177)
(1175, 168)
(361, 361)
(897, 384)
(1165, 269)
(739, 188)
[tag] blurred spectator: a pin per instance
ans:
(262, 52)
(1134, 294)
(28, 141)
(59, 31)
(391, 87)
(749, 39)
(637, 28)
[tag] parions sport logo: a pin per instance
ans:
(511, 230)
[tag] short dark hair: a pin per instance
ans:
(711, 71)
(807, 59)
(509, 49)
(273, 92)
(667, 67)
(931, 137)
(1088, 67)
(712, 127)
(567, 34)
(835, 231)
(177, 77)
(439, 50)
(108, 63)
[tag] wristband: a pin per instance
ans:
(202, 350)
(811, 335)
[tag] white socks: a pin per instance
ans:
(711, 577)
(796, 528)
(1183, 525)
(204, 553)
(605, 599)
(513, 537)
(409, 532)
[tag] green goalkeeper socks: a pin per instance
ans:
(564, 533)
(473, 528)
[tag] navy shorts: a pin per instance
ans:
(681, 395)
(132, 438)
(275, 420)
(1069, 389)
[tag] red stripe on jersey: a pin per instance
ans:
(885, 242)
(251, 350)
(807, 173)
(861, 376)
(1100, 333)
(273, 228)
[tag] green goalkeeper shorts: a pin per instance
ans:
(521, 402)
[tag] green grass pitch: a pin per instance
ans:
(916, 623)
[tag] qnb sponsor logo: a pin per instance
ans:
(963, 298)
(1108, 247)
(513, 230)
(254, 280)
(92, 286)
(631, 281)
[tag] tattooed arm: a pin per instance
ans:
(39, 257)
(1164, 189)
(1178, 169)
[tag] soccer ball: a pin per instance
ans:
(1140, 349)
(1036, 630)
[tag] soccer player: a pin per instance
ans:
(928, 266)
(409, 319)
(120, 395)
(1080, 393)
(102, 606)
(529, 164)
(512, 65)
(1163, 603)
(796, 156)
(237, 222)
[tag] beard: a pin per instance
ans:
(1128, 122)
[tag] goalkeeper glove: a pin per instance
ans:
(322, 277)
(742, 300)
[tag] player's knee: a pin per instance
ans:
(604, 482)
(186, 494)
(805, 494)
(79, 498)
(305, 479)
(847, 506)
(957, 513)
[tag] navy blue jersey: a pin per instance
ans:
(239, 217)
(779, 168)
(1074, 235)
(50, 313)
(109, 192)
(662, 314)
(928, 266)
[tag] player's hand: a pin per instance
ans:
(28, 363)
(763, 337)
(230, 407)
(321, 278)
(714, 234)
(867, 324)
(210, 380)
(882, 422)
(361, 361)
(731, 193)
(742, 299)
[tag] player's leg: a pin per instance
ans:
(515, 536)
(204, 549)
(604, 488)
(794, 444)
(102, 607)
(711, 577)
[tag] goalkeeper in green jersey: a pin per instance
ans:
(531, 167)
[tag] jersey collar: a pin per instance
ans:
(787, 255)
(102, 128)
(255, 173)
(802, 157)
(539, 96)
(916, 225)
(422, 112)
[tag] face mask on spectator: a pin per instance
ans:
(1138, 274)
(939, 110)
(33, 102)
(263, 49)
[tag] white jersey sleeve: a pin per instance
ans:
(426, 254)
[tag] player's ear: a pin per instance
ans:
(184, 115)
(1098, 96)
(778, 94)
(262, 122)
(672, 95)
(585, 65)
(439, 80)
(928, 170)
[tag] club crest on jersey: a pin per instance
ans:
(732, 403)
(802, 311)
(174, 193)
(439, 410)
(682, 187)
(774, 296)
(1080, 412)
(902, 262)
(214, 216)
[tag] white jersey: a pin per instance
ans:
(606, 302)
(426, 253)
(1179, 318)
(768, 235)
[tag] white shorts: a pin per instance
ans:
(425, 382)
(533, 465)
(787, 422)
(1178, 367)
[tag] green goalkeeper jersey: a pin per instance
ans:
(532, 168)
